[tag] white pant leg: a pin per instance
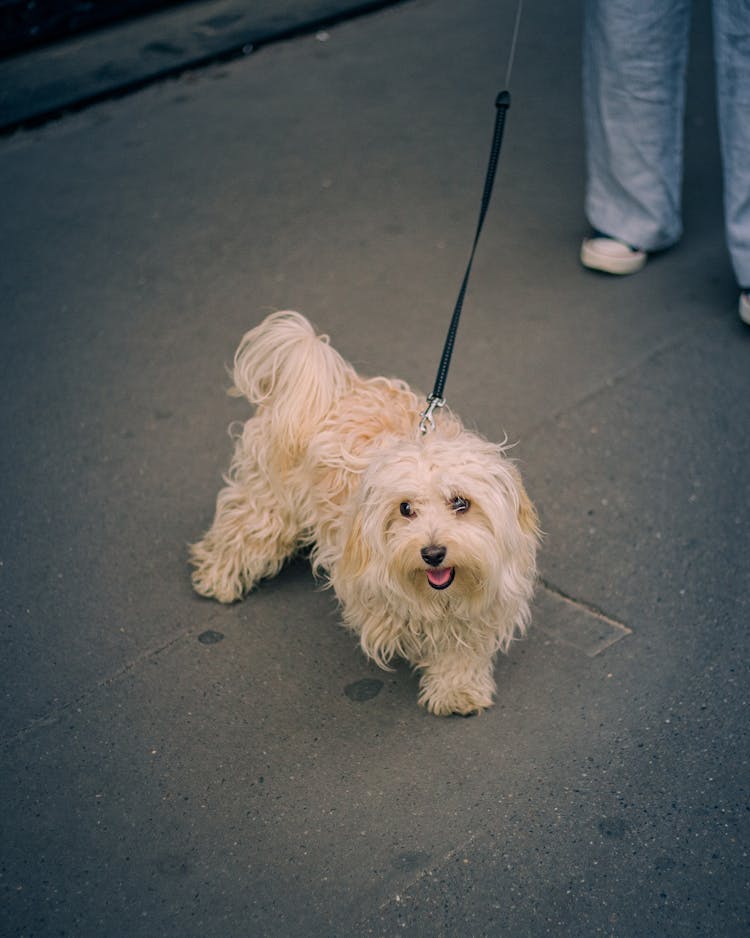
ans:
(732, 53)
(634, 62)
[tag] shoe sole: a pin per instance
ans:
(594, 260)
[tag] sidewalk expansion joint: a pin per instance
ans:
(575, 622)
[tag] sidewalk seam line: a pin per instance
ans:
(616, 379)
(55, 714)
(590, 608)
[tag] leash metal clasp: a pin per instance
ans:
(428, 421)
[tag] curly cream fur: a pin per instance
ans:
(326, 462)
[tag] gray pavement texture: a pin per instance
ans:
(172, 767)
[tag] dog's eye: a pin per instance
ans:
(460, 504)
(406, 510)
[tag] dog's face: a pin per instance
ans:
(444, 521)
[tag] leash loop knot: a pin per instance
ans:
(503, 99)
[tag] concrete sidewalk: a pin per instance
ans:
(173, 767)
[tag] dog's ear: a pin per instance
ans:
(527, 516)
(356, 557)
(528, 520)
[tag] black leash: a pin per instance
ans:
(502, 103)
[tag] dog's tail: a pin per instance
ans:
(292, 374)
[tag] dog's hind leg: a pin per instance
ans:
(254, 528)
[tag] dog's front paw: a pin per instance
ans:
(217, 574)
(443, 694)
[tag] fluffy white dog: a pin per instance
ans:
(429, 541)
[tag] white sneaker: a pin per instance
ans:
(611, 256)
(745, 306)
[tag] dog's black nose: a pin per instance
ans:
(434, 555)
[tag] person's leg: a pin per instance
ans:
(634, 61)
(732, 53)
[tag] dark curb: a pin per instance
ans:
(44, 83)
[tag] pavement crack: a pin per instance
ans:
(426, 871)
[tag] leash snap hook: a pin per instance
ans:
(428, 421)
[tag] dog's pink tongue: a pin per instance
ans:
(440, 577)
